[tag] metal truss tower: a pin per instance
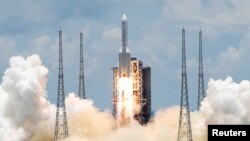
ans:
(61, 127)
(184, 130)
(81, 74)
(201, 91)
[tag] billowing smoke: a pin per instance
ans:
(27, 115)
(23, 98)
(227, 102)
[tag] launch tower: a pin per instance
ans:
(81, 73)
(61, 126)
(184, 130)
(201, 91)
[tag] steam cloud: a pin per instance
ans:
(26, 114)
(23, 98)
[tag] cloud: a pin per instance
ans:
(8, 46)
(232, 60)
(42, 41)
(231, 54)
(113, 33)
(133, 1)
(218, 13)
(30, 17)
(24, 101)
(85, 120)
(26, 14)
(6, 42)
(226, 102)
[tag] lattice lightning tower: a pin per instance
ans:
(184, 130)
(201, 91)
(61, 127)
(81, 75)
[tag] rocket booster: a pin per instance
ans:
(124, 54)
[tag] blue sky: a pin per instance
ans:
(154, 36)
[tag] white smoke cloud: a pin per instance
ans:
(27, 115)
(227, 102)
(87, 121)
(23, 98)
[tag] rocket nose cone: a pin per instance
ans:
(124, 17)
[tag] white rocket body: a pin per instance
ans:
(124, 54)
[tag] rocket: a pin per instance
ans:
(124, 54)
